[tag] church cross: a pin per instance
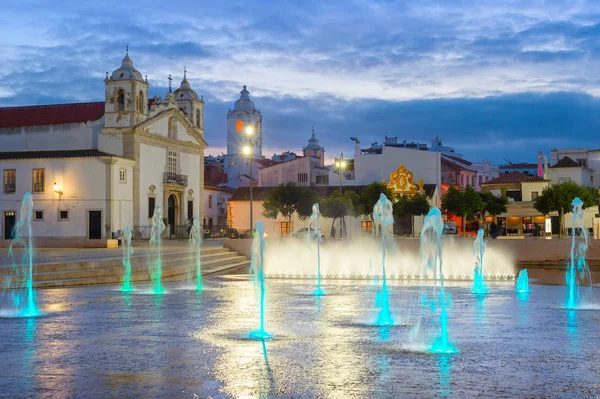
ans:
(170, 79)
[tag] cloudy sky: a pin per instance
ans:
(495, 79)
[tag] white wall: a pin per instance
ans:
(528, 187)
(74, 136)
(152, 164)
(190, 165)
(577, 175)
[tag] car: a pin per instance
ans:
(450, 228)
(233, 233)
(303, 232)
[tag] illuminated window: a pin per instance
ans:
(286, 229)
(239, 125)
(366, 226)
(38, 181)
(10, 180)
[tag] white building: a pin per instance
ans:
(112, 162)
(242, 119)
(214, 219)
(564, 168)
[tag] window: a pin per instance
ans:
(198, 118)
(231, 163)
(366, 226)
(534, 195)
(10, 180)
(38, 215)
(286, 229)
(210, 223)
(204, 224)
(140, 102)
(63, 215)
(239, 125)
(210, 201)
(582, 162)
(190, 209)
(322, 179)
(38, 181)
(172, 164)
(122, 175)
(302, 177)
(120, 100)
(151, 206)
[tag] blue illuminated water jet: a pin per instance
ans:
(127, 252)
(195, 242)
(522, 282)
(314, 220)
(21, 290)
(479, 286)
(383, 218)
(158, 227)
(579, 245)
(257, 275)
(431, 258)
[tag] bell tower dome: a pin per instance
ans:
(189, 103)
(126, 96)
(240, 118)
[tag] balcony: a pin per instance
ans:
(175, 178)
(10, 187)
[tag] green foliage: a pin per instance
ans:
(336, 206)
(463, 203)
(369, 197)
(558, 198)
(452, 201)
(494, 205)
(411, 205)
(354, 202)
(287, 199)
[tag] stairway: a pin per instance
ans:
(175, 267)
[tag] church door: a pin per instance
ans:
(9, 224)
(171, 213)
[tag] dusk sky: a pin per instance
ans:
(495, 79)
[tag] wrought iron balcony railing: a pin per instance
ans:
(175, 178)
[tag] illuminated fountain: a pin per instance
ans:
(431, 259)
(21, 291)
(522, 282)
(383, 219)
(127, 252)
(478, 250)
(155, 267)
(314, 219)
(195, 242)
(257, 275)
(577, 265)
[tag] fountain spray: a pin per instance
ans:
(195, 242)
(383, 218)
(431, 257)
(478, 250)
(522, 282)
(127, 252)
(314, 220)
(158, 227)
(257, 275)
(579, 246)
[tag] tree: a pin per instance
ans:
(558, 198)
(287, 200)
(411, 205)
(334, 207)
(369, 197)
(462, 203)
(493, 205)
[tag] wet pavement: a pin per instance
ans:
(99, 342)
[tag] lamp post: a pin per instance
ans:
(248, 151)
(340, 164)
(57, 190)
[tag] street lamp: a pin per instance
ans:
(57, 190)
(248, 151)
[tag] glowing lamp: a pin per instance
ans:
(57, 190)
(249, 130)
(247, 150)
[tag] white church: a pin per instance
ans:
(95, 168)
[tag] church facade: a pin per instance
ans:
(95, 168)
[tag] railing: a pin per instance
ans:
(10, 188)
(175, 178)
(38, 187)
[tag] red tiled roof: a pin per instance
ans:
(37, 115)
(513, 177)
(88, 153)
(566, 162)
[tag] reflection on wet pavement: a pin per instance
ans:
(99, 342)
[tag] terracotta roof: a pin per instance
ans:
(566, 162)
(520, 165)
(461, 160)
(260, 193)
(90, 153)
(37, 115)
(265, 162)
(513, 177)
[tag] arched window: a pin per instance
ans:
(198, 118)
(239, 125)
(140, 102)
(120, 100)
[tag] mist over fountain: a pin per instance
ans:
(578, 268)
(479, 286)
(383, 219)
(20, 286)
(195, 242)
(127, 252)
(257, 276)
(155, 266)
